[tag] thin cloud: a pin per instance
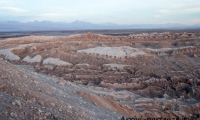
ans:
(3, 2)
(164, 11)
(56, 14)
(194, 21)
(181, 10)
(193, 10)
(157, 16)
(13, 9)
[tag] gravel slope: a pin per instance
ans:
(29, 95)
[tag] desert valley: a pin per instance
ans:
(100, 76)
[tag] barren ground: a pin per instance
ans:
(96, 76)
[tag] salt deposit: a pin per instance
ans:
(49, 67)
(124, 50)
(166, 49)
(114, 51)
(37, 58)
(83, 64)
(120, 66)
(7, 53)
(55, 61)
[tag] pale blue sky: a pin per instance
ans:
(102, 11)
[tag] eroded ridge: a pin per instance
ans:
(136, 75)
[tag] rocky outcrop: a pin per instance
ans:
(55, 61)
(35, 59)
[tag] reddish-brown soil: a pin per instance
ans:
(163, 81)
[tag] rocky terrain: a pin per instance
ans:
(96, 76)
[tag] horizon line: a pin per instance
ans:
(99, 23)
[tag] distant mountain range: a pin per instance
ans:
(80, 25)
